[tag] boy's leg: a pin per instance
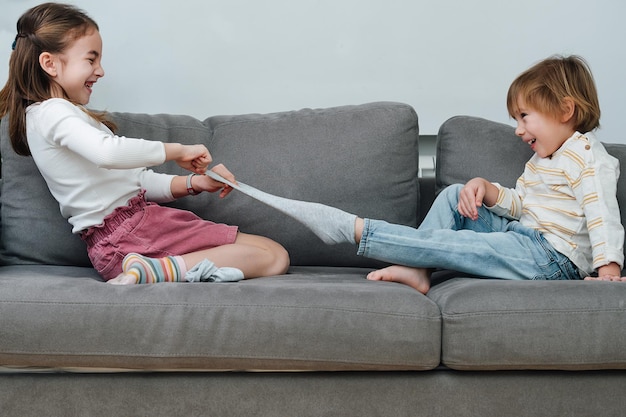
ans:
(444, 214)
(513, 254)
(330, 224)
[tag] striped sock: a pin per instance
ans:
(151, 270)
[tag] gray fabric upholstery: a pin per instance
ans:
(325, 155)
(469, 147)
(33, 230)
(66, 317)
(440, 393)
(361, 159)
(492, 324)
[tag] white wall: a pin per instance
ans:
(444, 57)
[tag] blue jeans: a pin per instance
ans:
(491, 246)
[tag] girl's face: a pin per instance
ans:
(77, 68)
(544, 133)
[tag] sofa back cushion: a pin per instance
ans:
(33, 230)
(362, 159)
(469, 147)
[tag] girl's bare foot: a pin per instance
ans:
(418, 278)
(123, 279)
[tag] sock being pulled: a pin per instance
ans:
(330, 224)
(152, 270)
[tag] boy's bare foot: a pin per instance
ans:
(418, 278)
(607, 278)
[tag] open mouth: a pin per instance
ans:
(532, 142)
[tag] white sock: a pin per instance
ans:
(207, 271)
(329, 223)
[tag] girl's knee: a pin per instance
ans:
(279, 257)
(276, 257)
(281, 260)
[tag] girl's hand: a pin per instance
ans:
(226, 174)
(194, 158)
(205, 183)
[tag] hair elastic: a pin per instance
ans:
(19, 35)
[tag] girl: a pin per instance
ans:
(100, 180)
(562, 220)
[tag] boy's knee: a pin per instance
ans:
(451, 192)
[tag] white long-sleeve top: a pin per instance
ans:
(89, 170)
(571, 199)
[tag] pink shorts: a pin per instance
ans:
(151, 230)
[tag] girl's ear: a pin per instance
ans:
(568, 106)
(48, 64)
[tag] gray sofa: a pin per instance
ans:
(320, 340)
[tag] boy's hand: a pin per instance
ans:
(476, 193)
(470, 197)
(610, 272)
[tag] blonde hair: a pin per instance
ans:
(545, 86)
(49, 27)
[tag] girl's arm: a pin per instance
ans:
(200, 183)
(194, 158)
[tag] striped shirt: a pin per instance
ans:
(571, 199)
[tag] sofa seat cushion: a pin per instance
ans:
(497, 324)
(315, 318)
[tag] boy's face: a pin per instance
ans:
(544, 133)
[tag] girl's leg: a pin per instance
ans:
(256, 256)
(251, 256)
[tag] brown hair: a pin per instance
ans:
(49, 27)
(545, 86)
